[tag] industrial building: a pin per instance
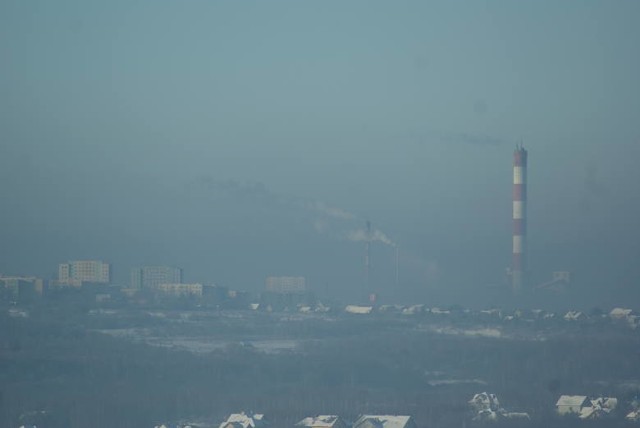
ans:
(149, 277)
(286, 284)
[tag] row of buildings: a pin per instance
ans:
(484, 406)
(280, 291)
(82, 272)
(258, 420)
(96, 275)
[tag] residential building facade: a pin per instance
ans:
(149, 277)
(78, 271)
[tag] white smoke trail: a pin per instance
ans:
(376, 235)
(329, 211)
(325, 219)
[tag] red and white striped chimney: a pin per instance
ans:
(519, 268)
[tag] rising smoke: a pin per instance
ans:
(325, 219)
(376, 235)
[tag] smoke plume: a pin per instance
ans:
(325, 219)
(361, 235)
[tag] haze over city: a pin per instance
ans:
(356, 214)
(184, 133)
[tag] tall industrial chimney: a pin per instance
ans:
(367, 255)
(519, 268)
(397, 266)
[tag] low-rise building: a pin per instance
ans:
(322, 421)
(384, 421)
(243, 420)
(633, 416)
(360, 310)
(585, 407)
(180, 290)
(571, 404)
(620, 313)
(574, 316)
(486, 407)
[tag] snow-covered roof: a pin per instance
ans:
(413, 309)
(605, 403)
(485, 401)
(319, 421)
(384, 421)
(354, 309)
(620, 312)
(571, 400)
(573, 315)
(242, 420)
(633, 416)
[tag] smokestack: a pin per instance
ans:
(367, 255)
(519, 268)
(397, 267)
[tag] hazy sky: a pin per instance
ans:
(205, 134)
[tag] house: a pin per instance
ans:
(584, 407)
(413, 310)
(484, 401)
(487, 407)
(390, 308)
(600, 407)
(620, 313)
(322, 421)
(574, 316)
(384, 421)
(633, 416)
(571, 404)
(361, 310)
(242, 420)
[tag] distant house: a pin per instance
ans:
(413, 310)
(487, 407)
(242, 420)
(633, 416)
(620, 313)
(384, 421)
(571, 404)
(484, 401)
(361, 310)
(584, 407)
(574, 316)
(322, 421)
(600, 407)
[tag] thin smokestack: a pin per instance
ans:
(367, 255)
(519, 267)
(397, 266)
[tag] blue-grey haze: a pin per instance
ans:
(205, 133)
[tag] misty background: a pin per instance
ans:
(240, 140)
